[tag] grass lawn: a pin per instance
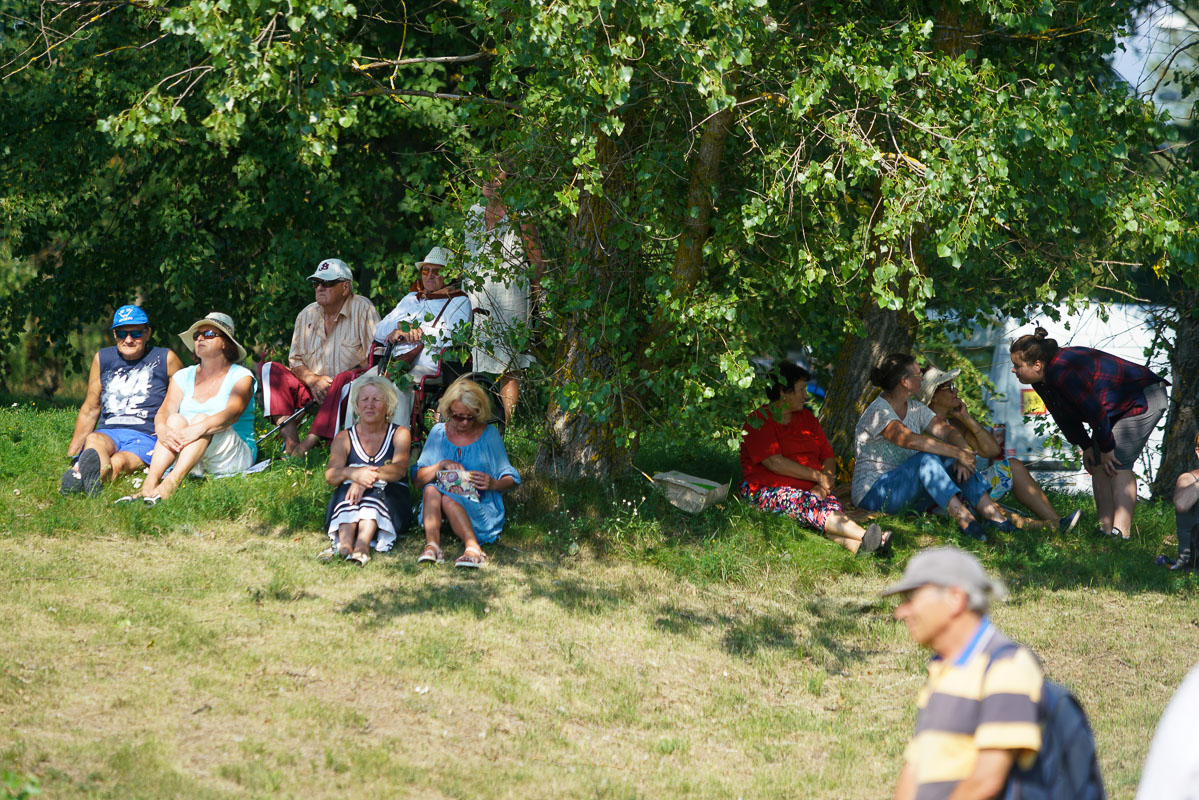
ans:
(614, 647)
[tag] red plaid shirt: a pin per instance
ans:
(1091, 386)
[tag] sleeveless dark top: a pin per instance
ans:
(131, 392)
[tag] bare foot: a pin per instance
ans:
(310, 441)
(166, 487)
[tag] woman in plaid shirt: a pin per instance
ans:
(1120, 401)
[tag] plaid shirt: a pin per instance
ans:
(1091, 386)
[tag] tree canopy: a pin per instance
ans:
(712, 181)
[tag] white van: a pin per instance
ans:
(1137, 333)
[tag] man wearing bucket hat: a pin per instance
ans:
(331, 335)
(938, 392)
(425, 320)
(977, 713)
(114, 430)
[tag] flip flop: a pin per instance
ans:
(89, 472)
(152, 501)
(129, 498)
(359, 559)
(327, 554)
(469, 560)
(432, 554)
(872, 540)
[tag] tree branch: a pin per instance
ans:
(434, 95)
(400, 62)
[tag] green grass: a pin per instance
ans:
(614, 647)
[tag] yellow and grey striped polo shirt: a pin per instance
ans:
(967, 706)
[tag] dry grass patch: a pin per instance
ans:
(226, 662)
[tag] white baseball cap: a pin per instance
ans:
(332, 269)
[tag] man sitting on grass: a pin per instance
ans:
(977, 713)
(1186, 517)
(331, 335)
(125, 387)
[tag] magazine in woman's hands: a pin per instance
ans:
(457, 482)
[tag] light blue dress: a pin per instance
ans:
(485, 454)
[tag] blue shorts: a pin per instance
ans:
(131, 441)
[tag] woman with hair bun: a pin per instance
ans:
(888, 476)
(1120, 401)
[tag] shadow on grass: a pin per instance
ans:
(820, 634)
(578, 596)
(404, 598)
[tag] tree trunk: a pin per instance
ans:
(885, 331)
(849, 391)
(1182, 420)
(704, 184)
(577, 445)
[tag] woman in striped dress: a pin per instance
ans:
(368, 464)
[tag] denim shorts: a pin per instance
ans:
(131, 441)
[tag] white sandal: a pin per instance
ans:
(434, 557)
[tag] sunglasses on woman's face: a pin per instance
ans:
(463, 417)
(949, 387)
(205, 335)
(120, 335)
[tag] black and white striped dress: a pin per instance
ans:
(388, 504)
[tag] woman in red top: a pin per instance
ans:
(787, 465)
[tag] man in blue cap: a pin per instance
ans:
(114, 432)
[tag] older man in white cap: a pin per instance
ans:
(331, 335)
(977, 713)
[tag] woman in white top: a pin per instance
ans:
(898, 466)
(206, 423)
(425, 318)
(500, 250)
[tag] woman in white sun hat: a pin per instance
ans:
(206, 424)
(424, 320)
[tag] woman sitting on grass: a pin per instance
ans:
(904, 454)
(206, 424)
(787, 465)
(463, 443)
(1005, 474)
(368, 463)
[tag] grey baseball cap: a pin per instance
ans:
(947, 566)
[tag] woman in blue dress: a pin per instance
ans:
(463, 443)
(368, 464)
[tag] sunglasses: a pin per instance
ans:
(464, 417)
(430, 270)
(948, 387)
(198, 335)
(325, 284)
(121, 335)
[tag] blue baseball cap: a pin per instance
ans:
(129, 315)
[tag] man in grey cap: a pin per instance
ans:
(977, 713)
(331, 335)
